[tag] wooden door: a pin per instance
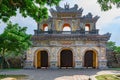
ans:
(44, 59)
(88, 59)
(66, 58)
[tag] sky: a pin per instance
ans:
(109, 21)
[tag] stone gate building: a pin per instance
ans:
(68, 40)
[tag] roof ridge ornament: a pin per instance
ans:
(89, 17)
(67, 9)
(66, 6)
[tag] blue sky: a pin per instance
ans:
(109, 21)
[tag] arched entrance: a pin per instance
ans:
(66, 58)
(41, 59)
(90, 59)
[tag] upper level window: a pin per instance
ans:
(45, 27)
(87, 27)
(66, 27)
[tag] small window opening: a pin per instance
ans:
(87, 27)
(66, 27)
(45, 27)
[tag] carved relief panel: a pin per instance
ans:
(103, 54)
(79, 55)
(66, 42)
(53, 54)
(53, 43)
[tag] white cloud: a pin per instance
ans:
(27, 22)
(24, 22)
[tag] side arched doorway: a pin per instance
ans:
(41, 59)
(66, 58)
(90, 59)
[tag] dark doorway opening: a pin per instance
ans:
(44, 59)
(88, 59)
(66, 58)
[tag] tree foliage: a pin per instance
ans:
(117, 49)
(33, 8)
(108, 4)
(112, 46)
(14, 39)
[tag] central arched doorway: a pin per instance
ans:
(66, 58)
(44, 59)
(41, 59)
(90, 59)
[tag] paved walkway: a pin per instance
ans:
(60, 74)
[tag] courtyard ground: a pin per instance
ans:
(60, 74)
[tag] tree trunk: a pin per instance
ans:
(8, 65)
(4, 59)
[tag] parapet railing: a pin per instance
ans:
(37, 32)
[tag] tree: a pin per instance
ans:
(111, 45)
(108, 4)
(33, 8)
(117, 49)
(14, 39)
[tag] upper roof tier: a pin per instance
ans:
(67, 9)
(73, 12)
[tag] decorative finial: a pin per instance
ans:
(66, 6)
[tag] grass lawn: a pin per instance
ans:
(11, 69)
(115, 69)
(18, 77)
(108, 77)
